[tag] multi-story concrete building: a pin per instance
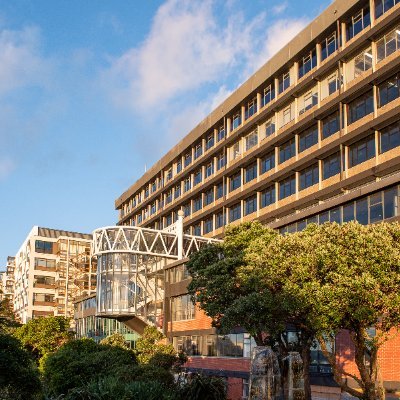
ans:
(312, 136)
(7, 281)
(52, 268)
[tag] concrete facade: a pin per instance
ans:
(52, 268)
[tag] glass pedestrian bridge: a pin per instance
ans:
(130, 270)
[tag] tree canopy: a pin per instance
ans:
(44, 334)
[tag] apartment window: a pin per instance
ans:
(43, 247)
(236, 121)
(208, 225)
(382, 6)
(168, 198)
(43, 280)
(221, 133)
(287, 151)
(186, 210)
(43, 298)
(220, 190)
(270, 127)
(287, 187)
(187, 184)
(146, 193)
(209, 141)
(287, 115)
(197, 229)
(197, 177)
(251, 140)
(44, 263)
(329, 46)
(269, 95)
(309, 176)
(236, 181)
(188, 159)
(250, 205)
(333, 83)
(250, 172)
(388, 44)
(357, 23)
(251, 108)
(209, 197)
(390, 137)
(235, 150)
(389, 90)
(178, 274)
(209, 169)
(177, 192)
(153, 209)
(235, 212)
(310, 100)
(190, 345)
(308, 138)
(197, 204)
(168, 220)
(362, 150)
(169, 174)
(182, 308)
(268, 196)
(198, 150)
(360, 107)
(307, 63)
(331, 166)
(139, 218)
(330, 125)
(219, 220)
(284, 82)
(153, 187)
(221, 161)
(268, 162)
(363, 62)
(178, 166)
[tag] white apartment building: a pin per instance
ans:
(52, 269)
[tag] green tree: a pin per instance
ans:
(19, 378)
(150, 345)
(44, 334)
(234, 292)
(340, 277)
(80, 361)
(116, 339)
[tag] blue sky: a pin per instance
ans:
(93, 91)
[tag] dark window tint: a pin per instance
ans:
(390, 137)
(236, 181)
(251, 172)
(268, 162)
(308, 138)
(389, 90)
(360, 107)
(268, 196)
(43, 247)
(309, 176)
(250, 205)
(287, 187)
(235, 212)
(330, 125)
(331, 166)
(362, 150)
(287, 151)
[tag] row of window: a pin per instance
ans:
(43, 247)
(366, 210)
(182, 308)
(354, 25)
(357, 153)
(44, 263)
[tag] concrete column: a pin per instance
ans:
(372, 11)
(319, 54)
(259, 102)
(242, 114)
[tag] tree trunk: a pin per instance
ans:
(306, 357)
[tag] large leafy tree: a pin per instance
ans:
(342, 277)
(44, 334)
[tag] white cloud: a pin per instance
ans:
(279, 8)
(7, 166)
(20, 62)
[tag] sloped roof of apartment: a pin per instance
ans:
(55, 233)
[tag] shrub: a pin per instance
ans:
(201, 387)
(81, 361)
(19, 378)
